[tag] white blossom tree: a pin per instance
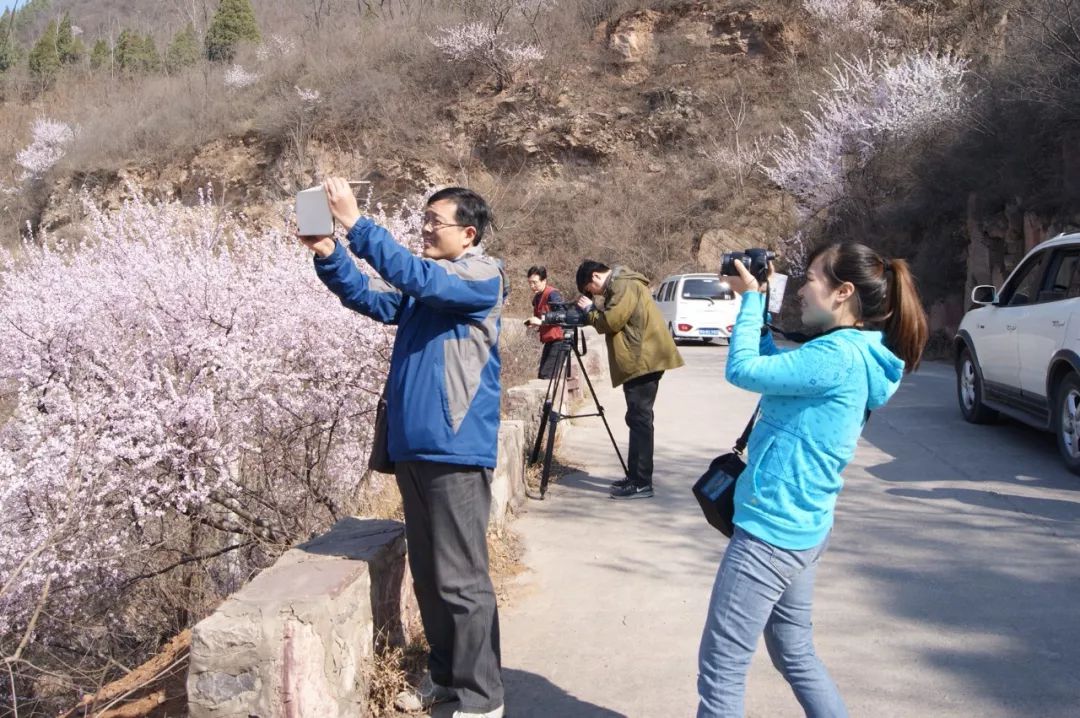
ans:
(49, 142)
(486, 44)
(181, 396)
(869, 103)
(237, 78)
(274, 47)
(860, 16)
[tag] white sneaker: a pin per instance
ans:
(497, 713)
(423, 696)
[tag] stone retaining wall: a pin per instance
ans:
(298, 640)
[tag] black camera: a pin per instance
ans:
(566, 314)
(755, 260)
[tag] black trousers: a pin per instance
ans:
(640, 396)
(549, 359)
(446, 520)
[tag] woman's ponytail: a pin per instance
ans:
(906, 330)
(886, 292)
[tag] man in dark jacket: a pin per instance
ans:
(442, 421)
(551, 337)
(640, 350)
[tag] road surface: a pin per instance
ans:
(951, 586)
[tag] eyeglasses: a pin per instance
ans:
(436, 224)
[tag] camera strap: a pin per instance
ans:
(802, 338)
(744, 439)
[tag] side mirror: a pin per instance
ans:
(983, 294)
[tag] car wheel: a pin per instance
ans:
(969, 391)
(1067, 421)
(707, 341)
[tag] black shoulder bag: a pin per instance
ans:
(715, 490)
(379, 459)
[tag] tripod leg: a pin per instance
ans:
(546, 473)
(549, 398)
(544, 415)
(600, 411)
(554, 416)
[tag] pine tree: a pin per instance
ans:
(9, 51)
(233, 23)
(126, 51)
(68, 48)
(44, 59)
(183, 50)
(101, 55)
(136, 53)
(149, 60)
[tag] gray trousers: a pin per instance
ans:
(446, 520)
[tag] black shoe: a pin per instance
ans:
(621, 483)
(632, 491)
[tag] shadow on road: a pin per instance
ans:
(922, 430)
(533, 696)
(1053, 509)
(986, 547)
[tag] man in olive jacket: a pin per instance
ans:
(640, 350)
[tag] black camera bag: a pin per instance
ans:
(715, 490)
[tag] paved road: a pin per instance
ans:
(951, 588)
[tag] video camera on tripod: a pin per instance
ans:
(571, 318)
(565, 314)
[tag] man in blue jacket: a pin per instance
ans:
(442, 421)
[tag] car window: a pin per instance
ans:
(1064, 278)
(705, 288)
(670, 290)
(659, 293)
(1024, 286)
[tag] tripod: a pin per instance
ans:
(571, 345)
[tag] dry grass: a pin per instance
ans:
(505, 552)
(156, 689)
(519, 350)
(392, 672)
(559, 469)
(380, 499)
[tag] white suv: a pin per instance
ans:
(1018, 353)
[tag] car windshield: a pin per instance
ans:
(706, 288)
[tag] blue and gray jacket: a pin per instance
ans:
(443, 389)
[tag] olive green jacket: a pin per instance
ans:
(638, 341)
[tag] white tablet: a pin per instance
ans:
(313, 216)
(777, 287)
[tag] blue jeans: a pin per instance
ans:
(762, 588)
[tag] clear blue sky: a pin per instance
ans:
(5, 4)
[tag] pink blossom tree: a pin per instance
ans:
(181, 397)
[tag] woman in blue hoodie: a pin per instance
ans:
(814, 402)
